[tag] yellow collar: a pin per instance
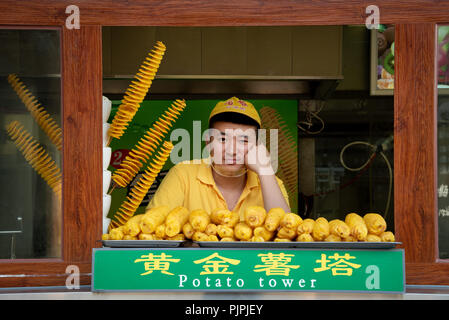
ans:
(205, 175)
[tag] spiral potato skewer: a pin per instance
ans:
(138, 192)
(36, 156)
(288, 163)
(147, 144)
(43, 119)
(137, 91)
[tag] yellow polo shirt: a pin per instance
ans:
(192, 185)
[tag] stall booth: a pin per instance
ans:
(352, 101)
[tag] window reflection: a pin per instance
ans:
(30, 144)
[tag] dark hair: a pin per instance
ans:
(233, 117)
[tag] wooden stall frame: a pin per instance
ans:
(414, 115)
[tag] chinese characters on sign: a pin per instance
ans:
(273, 264)
(154, 262)
(340, 267)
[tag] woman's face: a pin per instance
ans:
(229, 145)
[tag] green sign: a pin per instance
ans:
(248, 270)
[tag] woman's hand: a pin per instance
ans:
(258, 160)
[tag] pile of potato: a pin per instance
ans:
(161, 223)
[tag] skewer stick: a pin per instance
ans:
(112, 189)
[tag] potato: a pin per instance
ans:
(132, 226)
(264, 233)
(339, 228)
(286, 233)
(175, 220)
(188, 230)
(243, 231)
(153, 218)
(211, 229)
(290, 220)
(255, 216)
(218, 215)
(375, 223)
(372, 238)
(160, 231)
(199, 219)
(228, 239)
(305, 237)
(357, 226)
(332, 238)
(387, 236)
(306, 226)
(231, 220)
(146, 236)
(225, 231)
(257, 239)
(200, 236)
(273, 219)
(320, 229)
(116, 233)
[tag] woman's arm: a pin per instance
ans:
(258, 160)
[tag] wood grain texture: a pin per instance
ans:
(414, 149)
(82, 131)
(221, 13)
(427, 273)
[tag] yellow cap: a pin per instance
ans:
(234, 104)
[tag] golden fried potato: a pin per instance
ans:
(339, 228)
(257, 239)
(306, 226)
(305, 237)
(212, 238)
(231, 219)
(255, 216)
(146, 236)
(387, 236)
(225, 231)
(228, 239)
(349, 238)
(211, 229)
(290, 220)
(105, 236)
(179, 236)
(264, 233)
(188, 230)
(200, 236)
(116, 233)
(175, 220)
(199, 219)
(281, 240)
(286, 233)
(357, 226)
(320, 229)
(332, 238)
(375, 223)
(243, 231)
(372, 238)
(273, 219)
(132, 226)
(160, 231)
(218, 215)
(152, 218)
(129, 237)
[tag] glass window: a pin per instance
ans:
(443, 140)
(346, 140)
(30, 144)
